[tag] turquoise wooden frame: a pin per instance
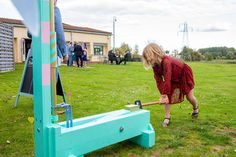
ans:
(98, 131)
(88, 133)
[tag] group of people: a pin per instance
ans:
(68, 52)
(118, 59)
(77, 52)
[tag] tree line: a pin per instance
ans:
(208, 54)
(188, 54)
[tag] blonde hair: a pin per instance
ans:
(152, 54)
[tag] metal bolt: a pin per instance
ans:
(121, 129)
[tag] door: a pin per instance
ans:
(23, 54)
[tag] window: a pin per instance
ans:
(98, 50)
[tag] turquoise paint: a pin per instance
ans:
(46, 11)
(147, 139)
(54, 119)
(96, 118)
(82, 139)
(42, 95)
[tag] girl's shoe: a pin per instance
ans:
(166, 122)
(195, 114)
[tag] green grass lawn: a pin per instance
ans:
(104, 88)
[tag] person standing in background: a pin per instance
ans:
(78, 55)
(70, 54)
(85, 54)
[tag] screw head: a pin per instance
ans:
(121, 129)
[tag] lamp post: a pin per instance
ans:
(114, 21)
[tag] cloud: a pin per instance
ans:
(118, 8)
(100, 12)
(211, 29)
(174, 8)
(221, 27)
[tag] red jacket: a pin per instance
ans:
(174, 78)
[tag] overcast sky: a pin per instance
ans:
(211, 22)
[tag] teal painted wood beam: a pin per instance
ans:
(99, 131)
(41, 81)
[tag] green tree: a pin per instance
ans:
(186, 54)
(230, 55)
(123, 48)
(219, 52)
(208, 56)
(198, 56)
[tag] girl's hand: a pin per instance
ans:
(164, 99)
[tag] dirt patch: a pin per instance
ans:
(217, 149)
(155, 154)
(229, 131)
